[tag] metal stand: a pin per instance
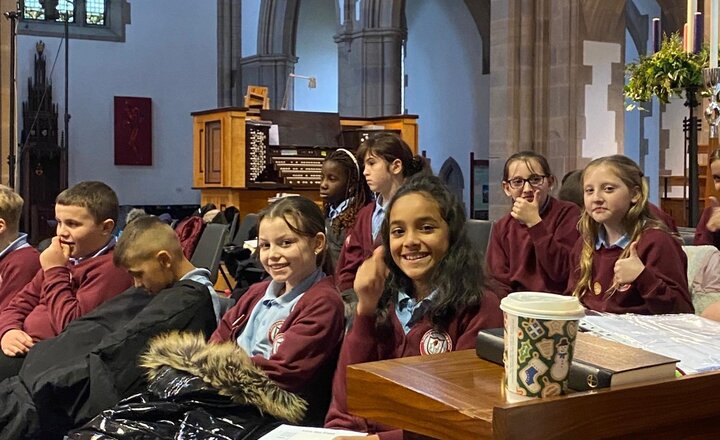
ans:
(691, 126)
(12, 143)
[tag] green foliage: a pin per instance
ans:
(665, 73)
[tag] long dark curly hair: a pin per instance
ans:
(357, 189)
(458, 278)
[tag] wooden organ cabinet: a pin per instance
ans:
(234, 163)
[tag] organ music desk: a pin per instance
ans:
(460, 396)
(234, 164)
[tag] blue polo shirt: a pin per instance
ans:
(202, 276)
(334, 212)
(621, 242)
(110, 244)
(19, 243)
(269, 313)
(378, 216)
(409, 311)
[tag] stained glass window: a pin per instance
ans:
(95, 12)
(51, 10)
(87, 19)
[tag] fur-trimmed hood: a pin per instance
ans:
(227, 368)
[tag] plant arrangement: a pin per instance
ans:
(667, 72)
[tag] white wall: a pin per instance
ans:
(250, 14)
(170, 55)
(600, 121)
(446, 87)
(317, 55)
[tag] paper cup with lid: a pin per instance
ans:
(540, 330)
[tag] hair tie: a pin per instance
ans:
(352, 156)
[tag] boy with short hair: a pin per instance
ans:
(19, 261)
(77, 273)
(98, 352)
(150, 250)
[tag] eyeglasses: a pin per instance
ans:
(534, 181)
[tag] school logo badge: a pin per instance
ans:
(274, 330)
(435, 342)
(279, 338)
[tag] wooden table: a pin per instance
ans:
(459, 396)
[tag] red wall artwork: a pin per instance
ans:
(133, 130)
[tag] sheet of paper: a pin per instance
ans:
(694, 340)
(250, 244)
(274, 135)
(290, 432)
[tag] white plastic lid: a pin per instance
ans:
(541, 305)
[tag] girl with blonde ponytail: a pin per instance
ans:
(627, 260)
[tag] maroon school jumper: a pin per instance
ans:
(16, 270)
(663, 217)
(358, 247)
(702, 234)
(662, 287)
(306, 345)
(366, 343)
(521, 258)
(58, 295)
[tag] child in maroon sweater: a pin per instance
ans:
(421, 293)
(626, 260)
(529, 246)
(387, 161)
(291, 326)
(77, 273)
(708, 228)
(344, 193)
(18, 260)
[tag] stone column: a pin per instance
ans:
(271, 71)
(538, 81)
(369, 58)
(229, 37)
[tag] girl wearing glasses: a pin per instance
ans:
(626, 261)
(530, 246)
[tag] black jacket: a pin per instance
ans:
(197, 390)
(93, 363)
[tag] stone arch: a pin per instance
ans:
(602, 19)
(369, 58)
(275, 58)
(451, 174)
(382, 13)
(637, 26)
(480, 12)
(673, 15)
(277, 27)
(369, 50)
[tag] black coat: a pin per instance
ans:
(197, 390)
(93, 363)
